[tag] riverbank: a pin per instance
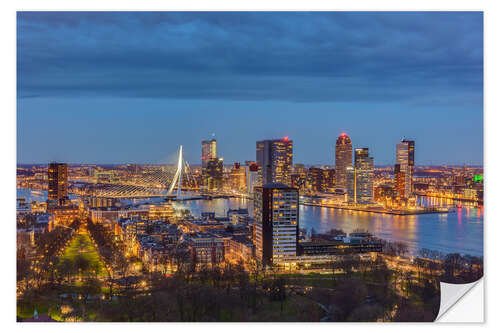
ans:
(461, 230)
(382, 210)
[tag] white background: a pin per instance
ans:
(8, 163)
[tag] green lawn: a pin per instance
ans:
(81, 245)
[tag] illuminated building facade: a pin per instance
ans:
(206, 249)
(238, 178)
(299, 181)
(100, 202)
(351, 184)
(274, 158)
(163, 212)
(208, 151)
(209, 157)
(343, 159)
(363, 164)
(315, 179)
(252, 174)
(399, 181)
(360, 178)
(276, 227)
(405, 158)
(105, 177)
(213, 175)
(64, 215)
(384, 194)
(299, 176)
(58, 183)
(328, 179)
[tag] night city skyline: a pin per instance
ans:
(248, 166)
(131, 87)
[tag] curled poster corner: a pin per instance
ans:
(457, 306)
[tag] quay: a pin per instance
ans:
(382, 210)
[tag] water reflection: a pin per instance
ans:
(443, 232)
(459, 231)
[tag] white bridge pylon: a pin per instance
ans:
(182, 166)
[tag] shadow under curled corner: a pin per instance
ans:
(456, 306)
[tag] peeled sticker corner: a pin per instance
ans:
(461, 302)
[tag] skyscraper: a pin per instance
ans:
(211, 166)
(363, 164)
(274, 158)
(343, 159)
(399, 180)
(58, 183)
(208, 150)
(405, 158)
(360, 178)
(315, 180)
(351, 184)
(276, 225)
(213, 174)
(238, 178)
(252, 171)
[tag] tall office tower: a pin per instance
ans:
(209, 156)
(276, 228)
(213, 175)
(238, 178)
(208, 150)
(343, 159)
(351, 184)
(58, 182)
(274, 158)
(399, 179)
(363, 165)
(315, 179)
(252, 173)
(405, 157)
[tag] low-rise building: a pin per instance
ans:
(110, 215)
(64, 215)
(206, 249)
(241, 247)
(355, 243)
(162, 212)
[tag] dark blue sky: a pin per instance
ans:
(130, 87)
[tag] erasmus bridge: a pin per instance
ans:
(163, 182)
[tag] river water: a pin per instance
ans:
(460, 231)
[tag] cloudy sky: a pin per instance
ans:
(131, 87)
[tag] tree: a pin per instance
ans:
(452, 264)
(91, 286)
(23, 266)
(401, 248)
(335, 232)
(82, 264)
(121, 263)
(347, 296)
(277, 291)
(66, 268)
(335, 265)
(346, 263)
(408, 280)
(366, 313)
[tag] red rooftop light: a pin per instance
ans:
(285, 138)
